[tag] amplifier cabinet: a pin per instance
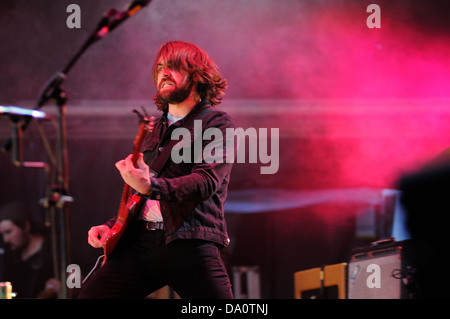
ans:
(381, 271)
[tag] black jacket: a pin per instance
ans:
(192, 193)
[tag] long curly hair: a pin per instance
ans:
(203, 70)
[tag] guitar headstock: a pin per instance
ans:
(145, 118)
(145, 127)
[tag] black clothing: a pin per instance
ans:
(28, 277)
(142, 263)
(185, 255)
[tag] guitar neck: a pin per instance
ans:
(137, 144)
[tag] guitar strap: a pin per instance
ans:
(160, 162)
(162, 159)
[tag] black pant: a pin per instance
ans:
(142, 263)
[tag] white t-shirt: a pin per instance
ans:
(152, 210)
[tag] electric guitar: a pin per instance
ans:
(130, 204)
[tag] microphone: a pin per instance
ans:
(136, 6)
(16, 114)
(28, 115)
(117, 17)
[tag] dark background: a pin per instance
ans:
(356, 109)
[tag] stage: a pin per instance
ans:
(357, 109)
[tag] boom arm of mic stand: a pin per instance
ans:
(52, 90)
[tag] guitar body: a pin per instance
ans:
(127, 214)
(131, 204)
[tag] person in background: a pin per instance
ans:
(28, 258)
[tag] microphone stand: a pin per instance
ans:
(58, 198)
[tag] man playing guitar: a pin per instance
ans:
(176, 236)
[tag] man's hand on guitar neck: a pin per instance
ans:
(138, 177)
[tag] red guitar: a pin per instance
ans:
(130, 205)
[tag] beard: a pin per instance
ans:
(178, 94)
(21, 244)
